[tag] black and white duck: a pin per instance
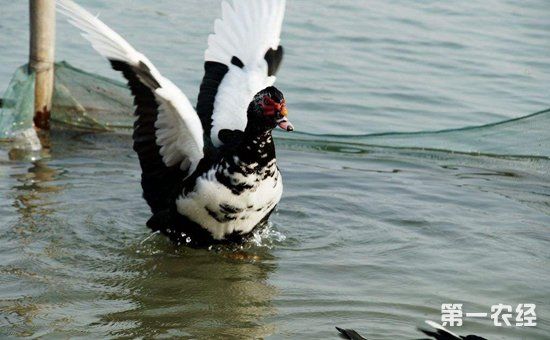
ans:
(209, 174)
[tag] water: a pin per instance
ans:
(373, 232)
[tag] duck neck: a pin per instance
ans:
(256, 147)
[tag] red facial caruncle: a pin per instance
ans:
(271, 107)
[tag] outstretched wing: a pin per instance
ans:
(242, 58)
(168, 134)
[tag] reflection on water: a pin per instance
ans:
(33, 196)
(195, 293)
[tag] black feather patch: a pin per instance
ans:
(230, 137)
(213, 75)
(157, 180)
(274, 59)
(237, 62)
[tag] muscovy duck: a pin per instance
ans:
(209, 175)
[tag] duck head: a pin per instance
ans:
(268, 110)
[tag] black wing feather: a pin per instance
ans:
(213, 76)
(274, 59)
(157, 180)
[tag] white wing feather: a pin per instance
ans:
(247, 30)
(179, 131)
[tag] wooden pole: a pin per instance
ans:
(41, 58)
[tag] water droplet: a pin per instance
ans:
(188, 239)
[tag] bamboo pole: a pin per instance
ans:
(41, 58)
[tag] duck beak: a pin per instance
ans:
(284, 123)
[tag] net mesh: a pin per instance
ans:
(81, 101)
(90, 102)
(525, 136)
(17, 104)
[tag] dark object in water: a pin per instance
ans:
(440, 333)
(349, 334)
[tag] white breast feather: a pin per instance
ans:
(209, 192)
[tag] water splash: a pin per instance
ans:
(267, 236)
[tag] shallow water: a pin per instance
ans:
(375, 238)
(370, 237)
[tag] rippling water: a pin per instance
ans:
(373, 232)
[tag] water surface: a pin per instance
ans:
(373, 231)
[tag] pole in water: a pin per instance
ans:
(41, 58)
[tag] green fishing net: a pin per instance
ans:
(81, 101)
(89, 102)
(17, 104)
(524, 136)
